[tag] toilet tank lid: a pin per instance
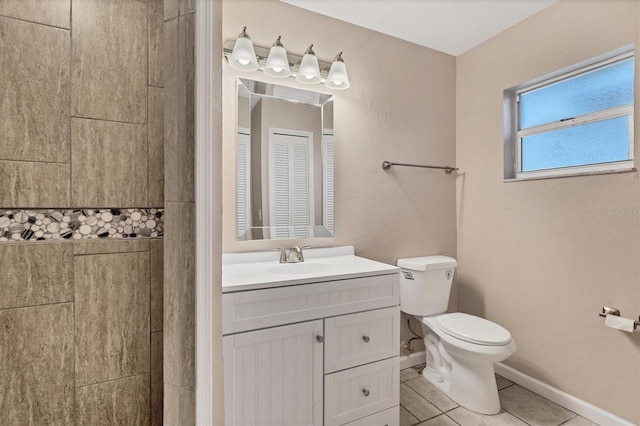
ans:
(427, 263)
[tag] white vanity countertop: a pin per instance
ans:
(259, 270)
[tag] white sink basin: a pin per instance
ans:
(261, 270)
(300, 268)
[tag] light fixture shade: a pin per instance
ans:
(309, 72)
(277, 62)
(243, 57)
(338, 78)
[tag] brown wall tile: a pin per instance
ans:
(109, 163)
(109, 60)
(187, 6)
(171, 9)
(110, 246)
(179, 110)
(120, 402)
(35, 274)
(34, 82)
(156, 42)
(112, 316)
(179, 406)
(157, 275)
(49, 12)
(155, 138)
(34, 184)
(173, 108)
(186, 60)
(36, 365)
(157, 387)
(179, 295)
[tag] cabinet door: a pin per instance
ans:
(274, 376)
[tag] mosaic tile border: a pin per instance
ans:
(18, 225)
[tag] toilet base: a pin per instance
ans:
(471, 384)
(472, 387)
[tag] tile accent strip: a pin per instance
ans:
(80, 224)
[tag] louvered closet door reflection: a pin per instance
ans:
(290, 172)
(327, 153)
(243, 177)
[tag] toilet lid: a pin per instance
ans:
(473, 329)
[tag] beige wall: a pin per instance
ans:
(81, 126)
(399, 113)
(542, 257)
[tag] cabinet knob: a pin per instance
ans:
(366, 339)
(365, 391)
(320, 339)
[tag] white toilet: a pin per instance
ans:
(461, 348)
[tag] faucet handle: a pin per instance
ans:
(300, 255)
(283, 254)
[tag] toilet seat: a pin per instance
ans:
(473, 329)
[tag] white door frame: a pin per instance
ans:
(208, 181)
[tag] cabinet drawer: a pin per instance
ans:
(390, 417)
(255, 309)
(356, 339)
(361, 391)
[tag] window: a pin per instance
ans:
(577, 122)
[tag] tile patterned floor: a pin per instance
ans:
(424, 405)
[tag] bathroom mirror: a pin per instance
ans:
(284, 162)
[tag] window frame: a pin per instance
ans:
(513, 135)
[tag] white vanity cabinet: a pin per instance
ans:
(313, 353)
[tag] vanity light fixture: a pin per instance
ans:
(309, 71)
(243, 57)
(277, 62)
(338, 77)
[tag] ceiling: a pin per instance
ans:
(450, 26)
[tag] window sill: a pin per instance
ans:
(521, 178)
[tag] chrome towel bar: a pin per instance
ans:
(386, 165)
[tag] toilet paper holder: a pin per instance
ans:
(613, 311)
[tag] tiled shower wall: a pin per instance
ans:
(81, 126)
(179, 219)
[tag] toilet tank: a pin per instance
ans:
(425, 284)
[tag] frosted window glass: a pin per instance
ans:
(600, 89)
(600, 142)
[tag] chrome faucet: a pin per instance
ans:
(294, 255)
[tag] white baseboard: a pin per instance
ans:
(570, 402)
(410, 360)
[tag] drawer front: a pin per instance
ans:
(361, 391)
(251, 310)
(356, 339)
(390, 417)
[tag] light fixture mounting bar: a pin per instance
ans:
(263, 52)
